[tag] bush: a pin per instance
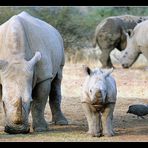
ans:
(76, 24)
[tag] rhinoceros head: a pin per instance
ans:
(96, 84)
(16, 80)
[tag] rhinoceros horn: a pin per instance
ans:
(117, 56)
(18, 119)
(35, 59)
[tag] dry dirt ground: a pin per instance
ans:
(132, 87)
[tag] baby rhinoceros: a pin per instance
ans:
(98, 101)
(138, 109)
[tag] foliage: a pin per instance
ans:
(76, 24)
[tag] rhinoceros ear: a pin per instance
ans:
(107, 73)
(3, 64)
(87, 70)
(35, 59)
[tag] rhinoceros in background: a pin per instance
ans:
(137, 43)
(111, 33)
(31, 62)
(98, 101)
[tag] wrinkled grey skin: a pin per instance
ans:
(31, 63)
(98, 101)
(111, 34)
(137, 44)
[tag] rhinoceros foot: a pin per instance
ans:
(59, 120)
(40, 129)
(95, 134)
(109, 134)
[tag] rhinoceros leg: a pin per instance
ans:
(55, 100)
(105, 58)
(107, 120)
(40, 95)
(93, 119)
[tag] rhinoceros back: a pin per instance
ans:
(46, 39)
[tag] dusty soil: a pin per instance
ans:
(132, 88)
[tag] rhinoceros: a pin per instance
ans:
(111, 34)
(137, 43)
(98, 101)
(31, 63)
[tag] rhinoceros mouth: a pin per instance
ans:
(21, 129)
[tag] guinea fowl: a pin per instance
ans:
(138, 109)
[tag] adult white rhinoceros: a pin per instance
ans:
(111, 34)
(31, 62)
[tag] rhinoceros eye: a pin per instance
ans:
(90, 91)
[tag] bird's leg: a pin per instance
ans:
(138, 117)
(142, 117)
